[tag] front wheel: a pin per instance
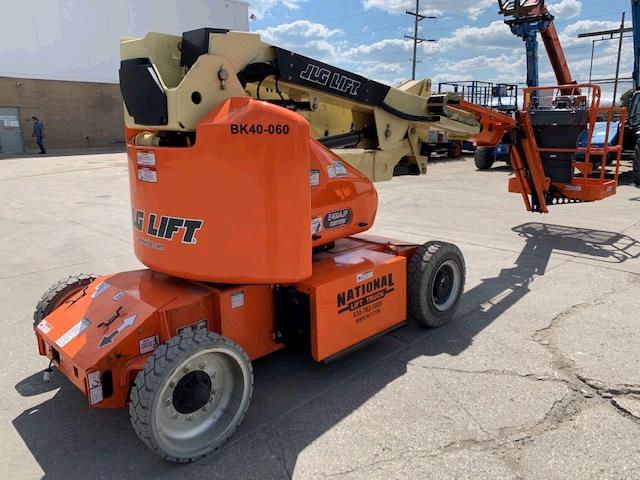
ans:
(435, 283)
(191, 396)
(484, 158)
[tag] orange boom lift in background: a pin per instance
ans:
(252, 231)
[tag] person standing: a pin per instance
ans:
(38, 133)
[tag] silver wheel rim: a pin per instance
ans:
(447, 270)
(185, 432)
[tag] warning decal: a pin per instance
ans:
(147, 159)
(44, 327)
(73, 332)
(94, 382)
(100, 289)
(316, 225)
(340, 169)
(147, 175)
(149, 344)
(361, 277)
(118, 296)
(314, 178)
(237, 299)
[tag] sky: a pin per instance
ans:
(472, 41)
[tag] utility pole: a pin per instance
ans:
(615, 86)
(610, 33)
(416, 39)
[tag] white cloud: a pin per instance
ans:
(261, 8)
(488, 52)
(566, 9)
(494, 35)
(470, 8)
(308, 38)
(569, 36)
(300, 30)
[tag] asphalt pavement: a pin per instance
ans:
(537, 377)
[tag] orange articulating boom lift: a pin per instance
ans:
(550, 163)
(252, 232)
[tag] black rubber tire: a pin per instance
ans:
(159, 369)
(455, 150)
(483, 158)
(636, 163)
(59, 293)
(422, 269)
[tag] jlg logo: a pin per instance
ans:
(327, 78)
(166, 227)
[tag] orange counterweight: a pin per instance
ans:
(235, 206)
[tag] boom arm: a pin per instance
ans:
(170, 83)
(556, 55)
(528, 17)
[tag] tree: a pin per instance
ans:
(625, 98)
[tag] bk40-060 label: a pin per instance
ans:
(258, 129)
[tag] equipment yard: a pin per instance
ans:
(536, 376)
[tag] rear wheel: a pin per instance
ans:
(59, 293)
(455, 150)
(191, 396)
(484, 158)
(435, 282)
(636, 163)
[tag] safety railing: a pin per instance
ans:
(595, 167)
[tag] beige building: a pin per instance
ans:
(60, 62)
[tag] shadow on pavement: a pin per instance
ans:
(295, 400)
(493, 296)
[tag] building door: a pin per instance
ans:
(10, 134)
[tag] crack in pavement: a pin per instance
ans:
(509, 442)
(610, 388)
(624, 411)
(581, 385)
(462, 407)
(492, 371)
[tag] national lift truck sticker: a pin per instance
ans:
(365, 300)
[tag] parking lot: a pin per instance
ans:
(537, 377)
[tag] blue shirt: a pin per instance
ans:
(38, 129)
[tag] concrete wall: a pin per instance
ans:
(79, 39)
(75, 114)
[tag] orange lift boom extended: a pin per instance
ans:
(252, 232)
